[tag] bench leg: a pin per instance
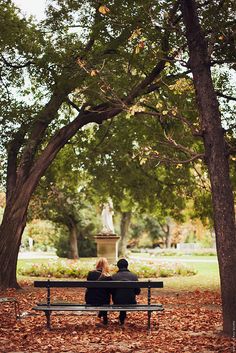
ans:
(17, 310)
(48, 314)
(149, 320)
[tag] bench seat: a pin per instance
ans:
(81, 307)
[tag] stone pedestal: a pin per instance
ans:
(107, 246)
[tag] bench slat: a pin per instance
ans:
(140, 307)
(99, 284)
(62, 304)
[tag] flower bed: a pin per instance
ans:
(79, 269)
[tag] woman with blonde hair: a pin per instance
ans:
(99, 296)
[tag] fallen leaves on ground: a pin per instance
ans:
(190, 323)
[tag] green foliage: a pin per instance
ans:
(64, 197)
(43, 234)
(86, 245)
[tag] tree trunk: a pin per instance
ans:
(124, 226)
(216, 155)
(167, 237)
(74, 254)
(11, 229)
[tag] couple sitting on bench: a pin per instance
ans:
(102, 296)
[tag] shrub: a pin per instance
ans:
(175, 252)
(64, 268)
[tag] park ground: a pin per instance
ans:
(191, 321)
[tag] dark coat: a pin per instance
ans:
(97, 296)
(125, 295)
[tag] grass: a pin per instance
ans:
(207, 277)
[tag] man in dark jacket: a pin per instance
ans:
(124, 295)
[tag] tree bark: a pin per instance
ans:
(11, 229)
(167, 236)
(216, 156)
(124, 227)
(74, 254)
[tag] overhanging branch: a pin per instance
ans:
(102, 112)
(226, 96)
(16, 66)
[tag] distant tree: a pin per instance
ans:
(42, 233)
(63, 197)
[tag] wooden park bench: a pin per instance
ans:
(48, 307)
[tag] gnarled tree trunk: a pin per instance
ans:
(216, 156)
(11, 229)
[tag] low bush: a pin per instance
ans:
(79, 269)
(174, 252)
(154, 270)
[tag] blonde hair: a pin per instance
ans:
(102, 264)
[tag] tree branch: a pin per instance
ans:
(16, 66)
(104, 135)
(219, 94)
(178, 161)
(75, 106)
(12, 152)
(97, 114)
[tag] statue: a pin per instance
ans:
(106, 239)
(107, 222)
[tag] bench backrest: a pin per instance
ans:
(98, 284)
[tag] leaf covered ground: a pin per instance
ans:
(191, 322)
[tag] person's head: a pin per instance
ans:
(102, 265)
(122, 264)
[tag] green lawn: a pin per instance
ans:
(207, 278)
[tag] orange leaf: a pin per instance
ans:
(103, 9)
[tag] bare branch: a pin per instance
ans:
(219, 94)
(177, 161)
(75, 106)
(232, 127)
(178, 117)
(203, 182)
(16, 66)
(104, 136)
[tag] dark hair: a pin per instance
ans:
(122, 263)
